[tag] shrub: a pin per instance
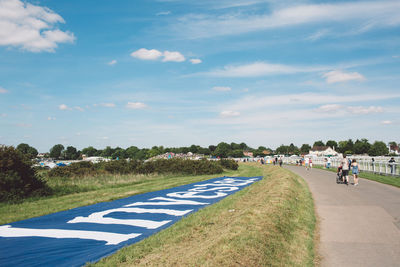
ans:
(17, 177)
(229, 164)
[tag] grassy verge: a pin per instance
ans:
(390, 180)
(270, 223)
(72, 193)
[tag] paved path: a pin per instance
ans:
(360, 226)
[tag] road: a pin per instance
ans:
(359, 225)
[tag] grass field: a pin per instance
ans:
(390, 180)
(270, 223)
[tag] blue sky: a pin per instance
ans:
(176, 73)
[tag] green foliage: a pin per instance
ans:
(361, 146)
(229, 164)
(17, 177)
(71, 153)
(305, 148)
(318, 143)
(27, 150)
(332, 144)
(161, 166)
(56, 150)
(378, 149)
(222, 150)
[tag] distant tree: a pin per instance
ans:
(235, 146)
(131, 152)
(89, 151)
(204, 151)
(107, 152)
(222, 150)
(305, 148)
(282, 149)
(212, 148)
(56, 151)
(243, 146)
(194, 148)
(346, 147)
(331, 143)
(27, 150)
(237, 153)
(361, 146)
(71, 153)
(378, 149)
(119, 153)
(318, 143)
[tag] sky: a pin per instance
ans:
(181, 72)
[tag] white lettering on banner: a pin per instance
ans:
(110, 238)
(98, 217)
(166, 202)
(222, 188)
(194, 195)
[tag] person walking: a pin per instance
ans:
(355, 170)
(307, 163)
(345, 170)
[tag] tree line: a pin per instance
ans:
(222, 150)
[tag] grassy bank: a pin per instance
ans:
(390, 180)
(270, 223)
(76, 192)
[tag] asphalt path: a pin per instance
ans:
(359, 225)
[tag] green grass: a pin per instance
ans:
(76, 192)
(270, 223)
(390, 180)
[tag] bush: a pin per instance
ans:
(82, 168)
(17, 177)
(229, 164)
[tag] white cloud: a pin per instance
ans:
(112, 62)
(365, 110)
(3, 115)
(222, 88)
(386, 122)
(195, 61)
(63, 107)
(258, 69)
(79, 108)
(108, 105)
(3, 91)
(329, 108)
(337, 76)
(173, 56)
(229, 113)
(136, 105)
(31, 27)
(146, 54)
(163, 13)
(384, 14)
(318, 35)
(51, 118)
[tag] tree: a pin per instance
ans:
(17, 177)
(194, 148)
(393, 146)
(27, 150)
(331, 143)
(318, 143)
(243, 146)
(305, 148)
(131, 152)
(89, 151)
(346, 147)
(56, 150)
(222, 150)
(71, 153)
(107, 152)
(212, 148)
(282, 149)
(378, 149)
(361, 146)
(235, 146)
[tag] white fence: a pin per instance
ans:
(366, 164)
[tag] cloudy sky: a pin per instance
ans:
(180, 72)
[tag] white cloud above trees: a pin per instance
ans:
(31, 27)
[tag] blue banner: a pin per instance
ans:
(87, 234)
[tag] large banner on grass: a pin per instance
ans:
(86, 234)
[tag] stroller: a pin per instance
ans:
(339, 175)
